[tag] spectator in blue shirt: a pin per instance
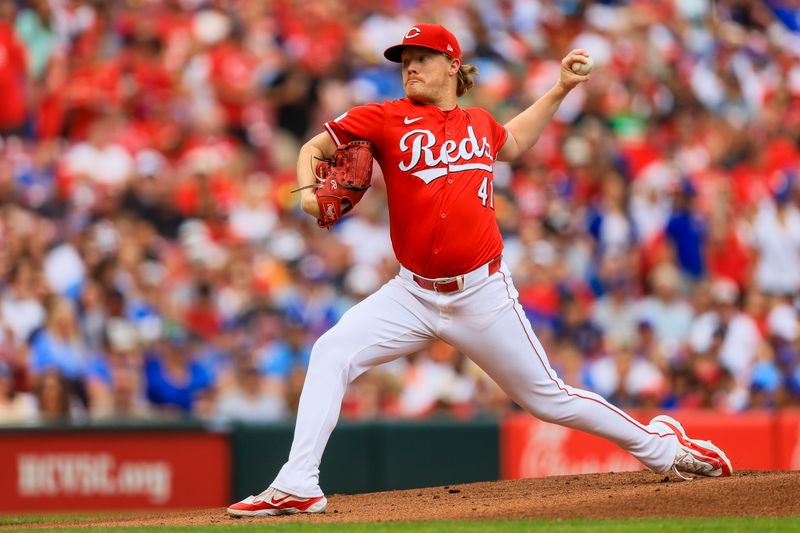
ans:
(59, 345)
(173, 379)
(280, 358)
(686, 231)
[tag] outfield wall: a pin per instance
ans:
(375, 456)
(191, 466)
(113, 468)
(60, 469)
(758, 440)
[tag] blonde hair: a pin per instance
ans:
(467, 75)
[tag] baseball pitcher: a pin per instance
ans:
(453, 285)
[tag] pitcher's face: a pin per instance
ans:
(427, 74)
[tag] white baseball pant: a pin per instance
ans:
(485, 322)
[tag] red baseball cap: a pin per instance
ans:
(433, 36)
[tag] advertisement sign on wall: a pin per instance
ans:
(789, 439)
(754, 440)
(532, 448)
(90, 470)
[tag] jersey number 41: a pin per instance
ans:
(486, 192)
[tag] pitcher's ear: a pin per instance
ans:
(455, 65)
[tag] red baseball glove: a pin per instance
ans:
(343, 180)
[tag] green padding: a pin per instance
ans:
(260, 451)
(257, 454)
(374, 456)
(431, 453)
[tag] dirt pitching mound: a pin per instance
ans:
(619, 495)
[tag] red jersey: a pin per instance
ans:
(13, 65)
(438, 171)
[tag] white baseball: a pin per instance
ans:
(582, 69)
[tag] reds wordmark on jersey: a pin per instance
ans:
(438, 171)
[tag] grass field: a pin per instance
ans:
(555, 526)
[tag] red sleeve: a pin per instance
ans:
(363, 122)
(499, 135)
(498, 131)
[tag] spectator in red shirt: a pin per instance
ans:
(94, 85)
(728, 256)
(202, 318)
(232, 75)
(13, 74)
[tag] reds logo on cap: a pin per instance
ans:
(433, 36)
(413, 32)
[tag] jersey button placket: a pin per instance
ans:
(448, 133)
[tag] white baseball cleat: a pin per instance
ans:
(699, 457)
(274, 502)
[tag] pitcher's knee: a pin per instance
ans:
(330, 354)
(547, 403)
(543, 413)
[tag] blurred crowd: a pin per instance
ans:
(154, 264)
